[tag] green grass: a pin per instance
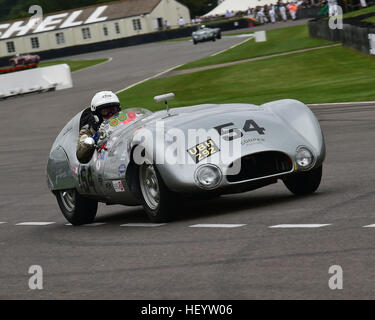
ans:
(278, 41)
(371, 19)
(333, 74)
(359, 12)
(74, 64)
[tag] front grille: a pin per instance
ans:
(260, 165)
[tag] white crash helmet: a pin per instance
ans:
(104, 99)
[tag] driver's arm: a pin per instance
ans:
(85, 147)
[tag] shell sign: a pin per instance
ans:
(52, 22)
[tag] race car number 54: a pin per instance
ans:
(235, 133)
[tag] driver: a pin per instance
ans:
(104, 106)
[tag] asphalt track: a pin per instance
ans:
(177, 261)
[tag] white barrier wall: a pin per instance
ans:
(371, 38)
(39, 79)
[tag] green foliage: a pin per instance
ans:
(199, 7)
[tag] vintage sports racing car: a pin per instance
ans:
(206, 34)
(24, 59)
(278, 140)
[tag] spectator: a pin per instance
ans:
(272, 14)
(227, 14)
(332, 8)
(283, 13)
(363, 3)
(167, 24)
(293, 10)
(261, 16)
(181, 22)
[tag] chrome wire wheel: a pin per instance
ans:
(149, 183)
(68, 199)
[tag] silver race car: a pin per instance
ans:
(206, 34)
(157, 160)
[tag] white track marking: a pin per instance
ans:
(146, 225)
(2, 222)
(236, 45)
(369, 226)
(149, 78)
(34, 223)
(300, 225)
(95, 65)
(206, 225)
(89, 224)
(245, 35)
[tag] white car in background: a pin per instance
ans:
(206, 34)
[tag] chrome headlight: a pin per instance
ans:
(304, 158)
(208, 176)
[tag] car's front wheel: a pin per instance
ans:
(304, 182)
(158, 201)
(77, 209)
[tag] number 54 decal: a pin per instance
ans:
(235, 133)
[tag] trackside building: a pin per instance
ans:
(88, 25)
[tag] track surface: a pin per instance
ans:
(175, 261)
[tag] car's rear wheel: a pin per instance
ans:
(158, 201)
(213, 38)
(76, 209)
(304, 182)
(219, 35)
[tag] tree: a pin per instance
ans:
(199, 7)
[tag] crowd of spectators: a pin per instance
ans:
(281, 11)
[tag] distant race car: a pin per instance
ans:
(206, 34)
(280, 140)
(24, 59)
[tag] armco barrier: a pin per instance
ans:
(354, 33)
(41, 79)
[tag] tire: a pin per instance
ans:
(305, 182)
(195, 42)
(219, 35)
(158, 201)
(214, 38)
(77, 209)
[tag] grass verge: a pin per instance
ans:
(74, 65)
(278, 41)
(335, 74)
(357, 13)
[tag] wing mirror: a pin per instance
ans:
(164, 98)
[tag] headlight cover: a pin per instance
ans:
(208, 176)
(304, 158)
